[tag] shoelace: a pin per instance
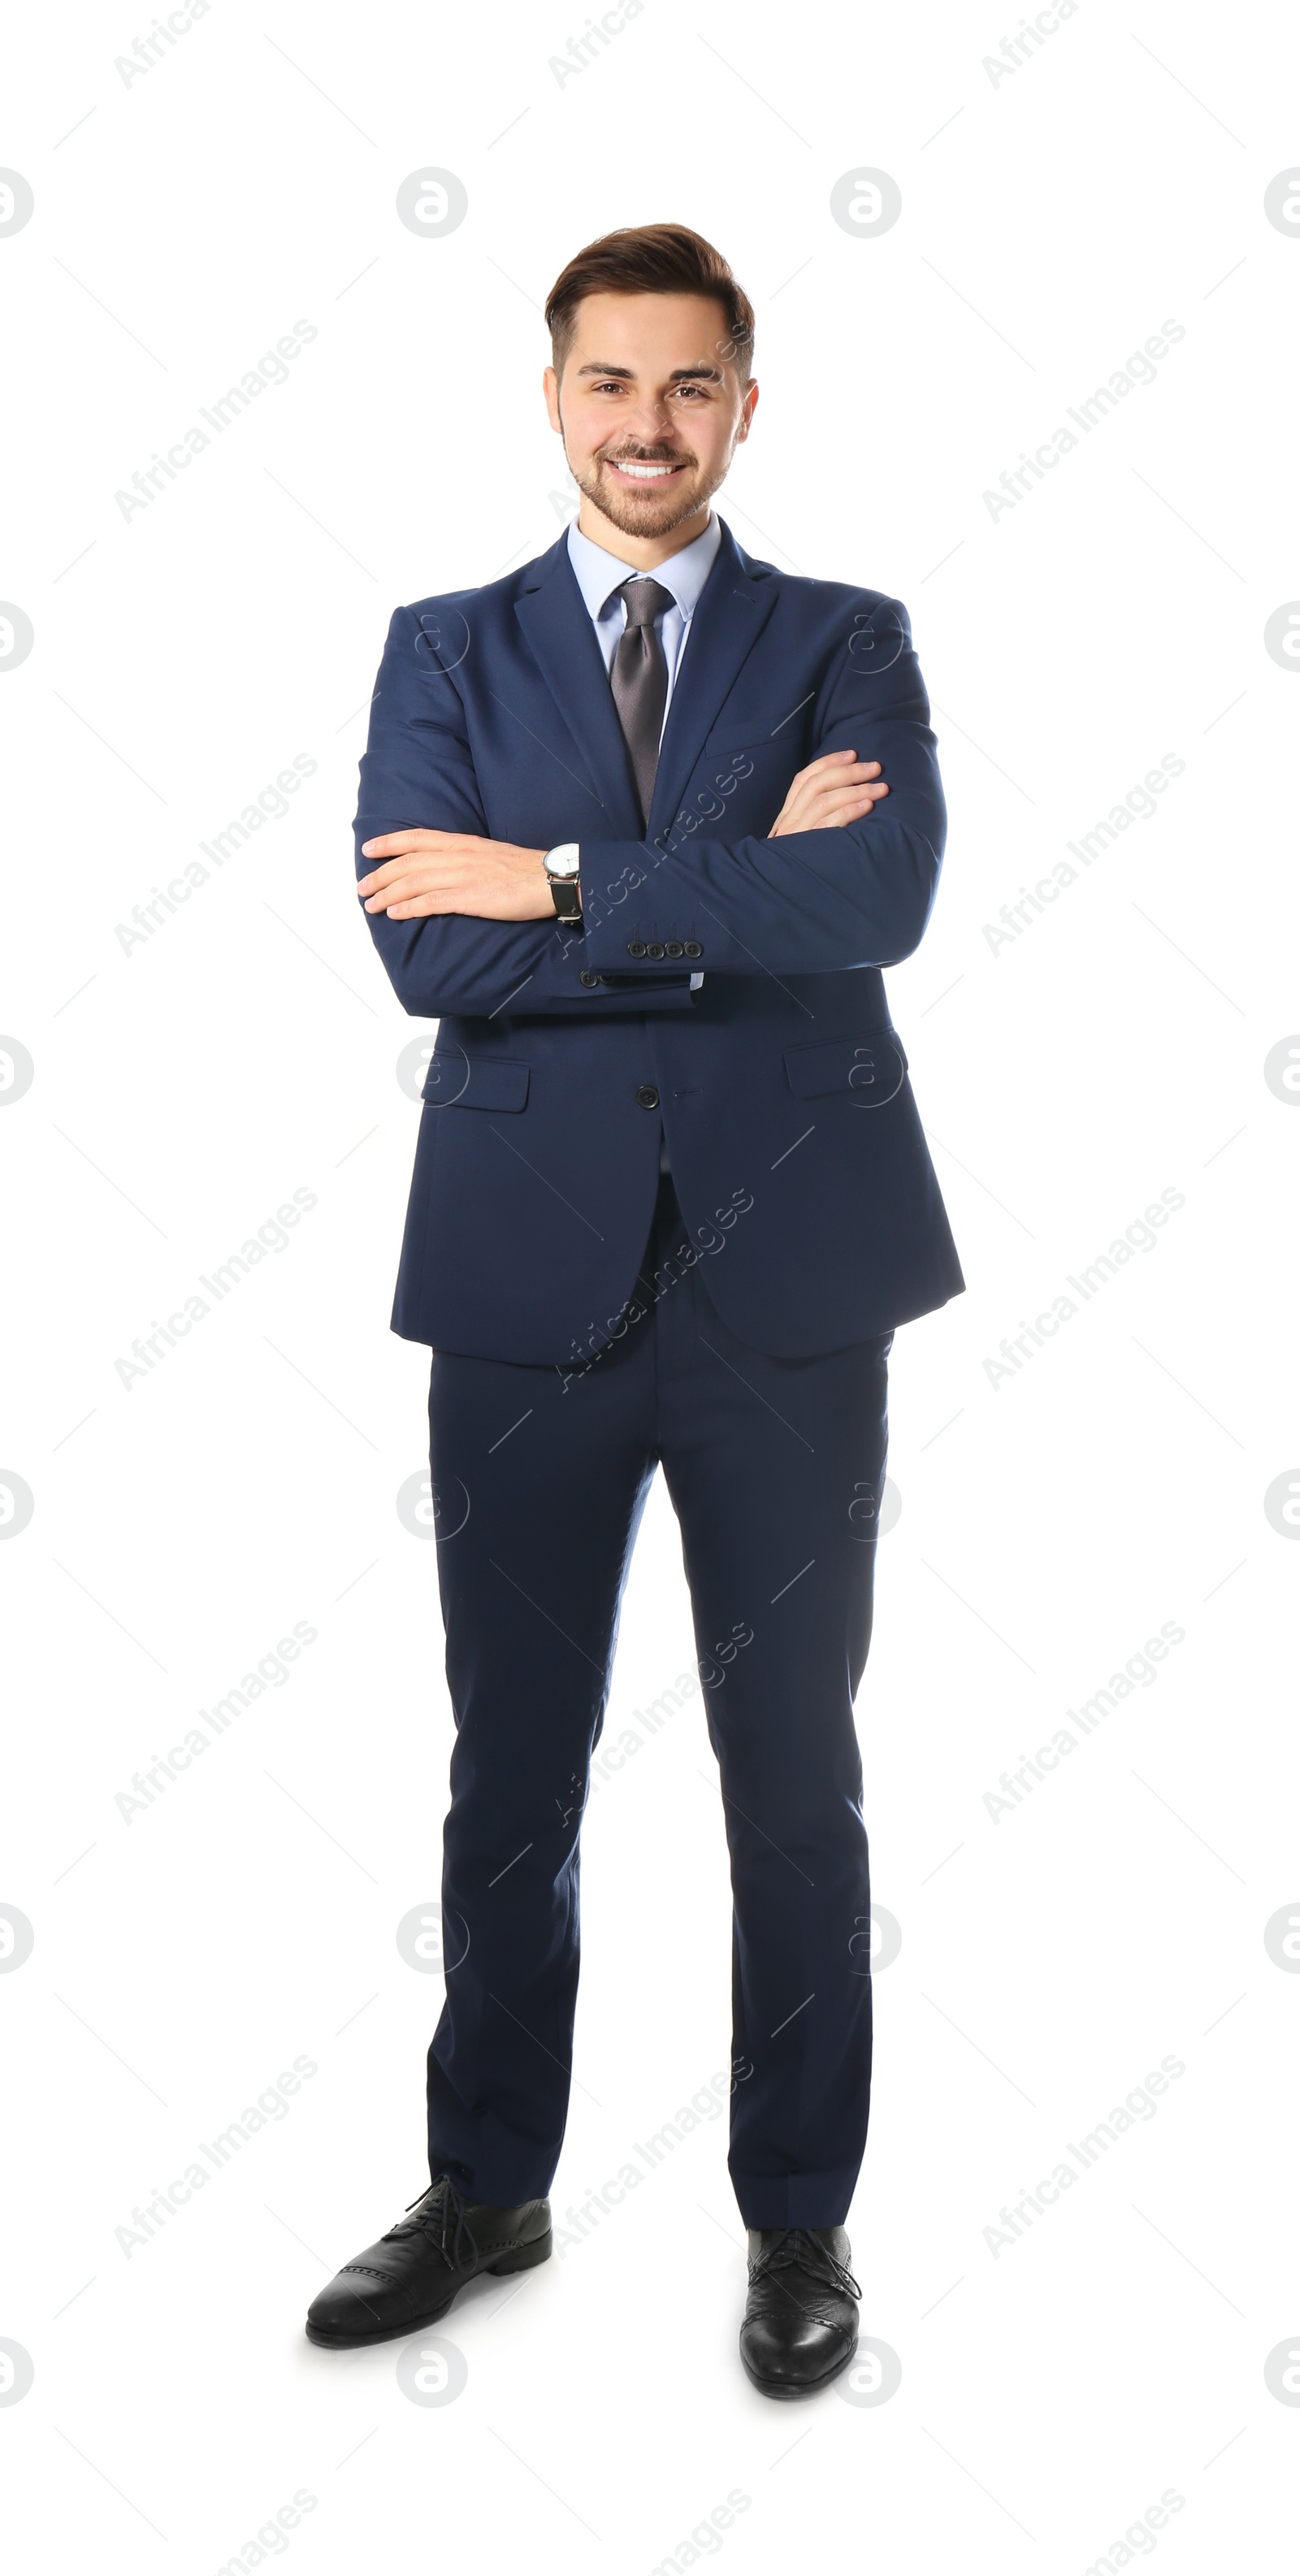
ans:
(442, 2201)
(798, 2248)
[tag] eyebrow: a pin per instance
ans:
(679, 376)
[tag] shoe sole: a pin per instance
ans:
(799, 2387)
(522, 2258)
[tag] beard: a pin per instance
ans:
(651, 512)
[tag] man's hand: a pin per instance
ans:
(832, 791)
(455, 872)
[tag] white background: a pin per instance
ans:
(1052, 2390)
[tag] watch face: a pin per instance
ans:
(562, 862)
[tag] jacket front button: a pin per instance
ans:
(646, 1096)
(586, 977)
(636, 947)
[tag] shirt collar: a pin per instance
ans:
(598, 572)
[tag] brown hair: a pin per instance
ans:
(651, 259)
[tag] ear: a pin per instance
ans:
(551, 391)
(747, 410)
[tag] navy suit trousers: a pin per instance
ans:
(775, 1469)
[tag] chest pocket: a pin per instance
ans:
(743, 773)
(753, 734)
(865, 1071)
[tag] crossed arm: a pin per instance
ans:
(465, 924)
(423, 872)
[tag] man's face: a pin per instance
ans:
(650, 407)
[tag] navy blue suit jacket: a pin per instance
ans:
(796, 1149)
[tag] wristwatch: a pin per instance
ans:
(561, 865)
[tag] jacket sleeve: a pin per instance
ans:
(809, 903)
(417, 773)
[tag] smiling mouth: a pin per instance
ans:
(640, 469)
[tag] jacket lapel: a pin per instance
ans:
(735, 605)
(561, 638)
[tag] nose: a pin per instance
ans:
(649, 421)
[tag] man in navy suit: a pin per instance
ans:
(640, 825)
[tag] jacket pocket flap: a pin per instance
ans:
(867, 1071)
(455, 1080)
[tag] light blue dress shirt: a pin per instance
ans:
(600, 576)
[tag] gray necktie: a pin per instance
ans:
(639, 680)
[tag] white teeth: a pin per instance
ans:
(643, 473)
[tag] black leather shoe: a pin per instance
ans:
(412, 2275)
(801, 2317)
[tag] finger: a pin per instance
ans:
(401, 883)
(839, 809)
(392, 844)
(831, 800)
(418, 867)
(859, 803)
(839, 822)
(807, 800)
(423, 851)
(407, 890)
(416, 907)
(832, 772)
(390, 881)
(405, 906)
(833, 760)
